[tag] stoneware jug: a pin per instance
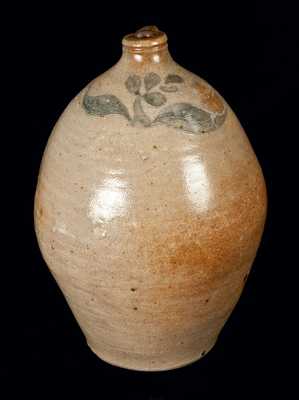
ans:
(149, 209)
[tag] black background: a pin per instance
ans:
(249, 53)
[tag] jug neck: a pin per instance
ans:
(146, 47)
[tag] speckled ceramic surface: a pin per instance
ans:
(149, 209)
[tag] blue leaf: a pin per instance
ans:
(189, 118)
(105, 104)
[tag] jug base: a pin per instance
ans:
(149, 366)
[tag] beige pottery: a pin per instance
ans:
(149, 209)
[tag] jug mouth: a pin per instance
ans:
(146, 38)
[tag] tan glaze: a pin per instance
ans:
(150, 231)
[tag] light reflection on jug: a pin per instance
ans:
(196, 182)
(108, 200)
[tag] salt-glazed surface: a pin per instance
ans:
(149, 209)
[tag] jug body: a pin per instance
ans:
(149, 209)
